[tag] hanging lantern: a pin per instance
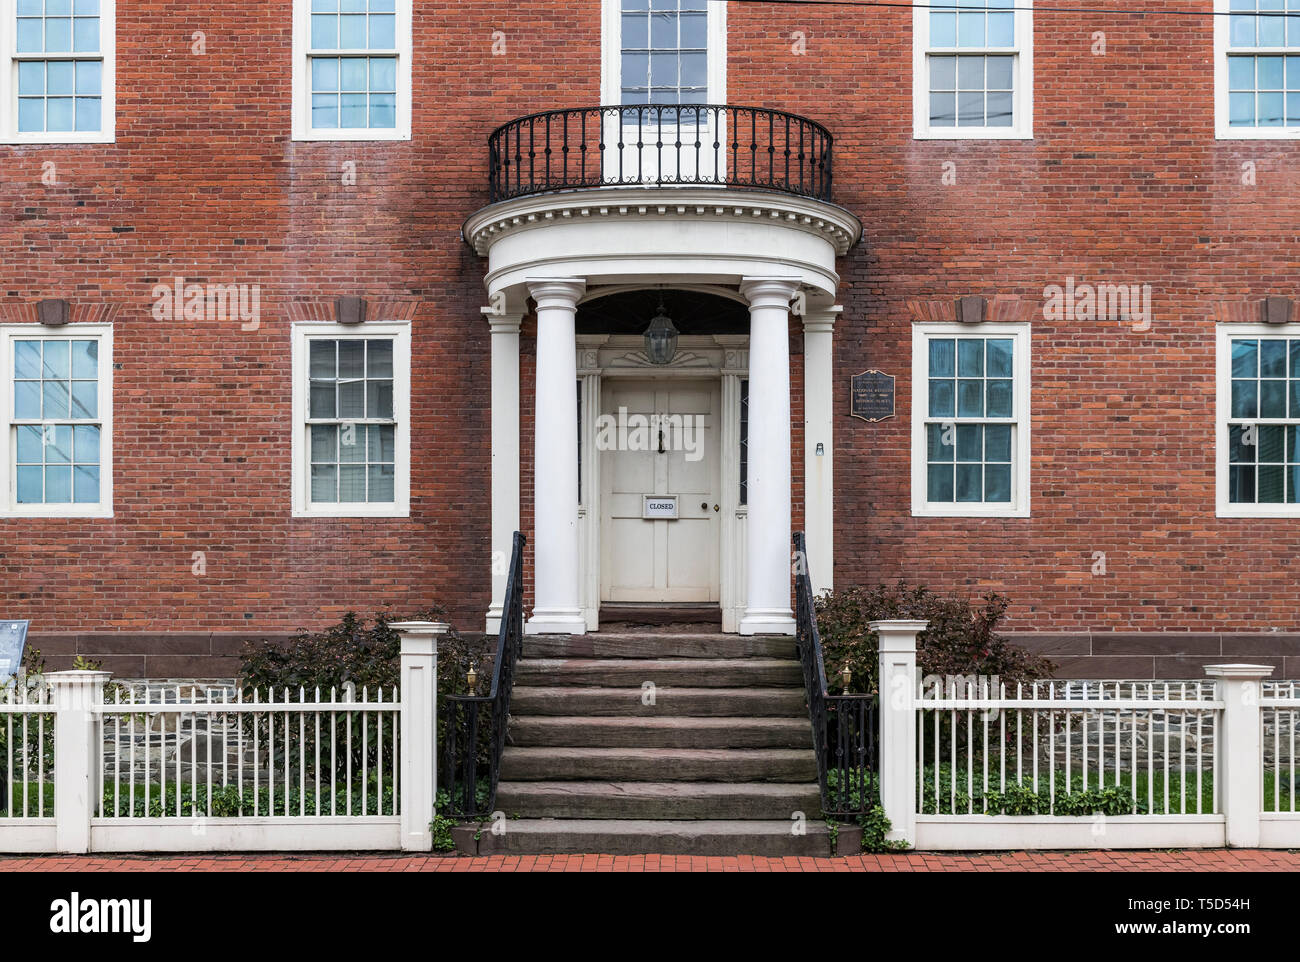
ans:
(661, 337)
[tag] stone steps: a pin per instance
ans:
(713, 837)
(659, 764)
(658, 645)
(682, 672)
(668, 701)
(614, 732)
(774, 801)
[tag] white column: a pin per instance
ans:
(767, 599)
(76, 740)
(557, 607)
(505, 453)
(419, 762)
(1237, 772)
(819, 446)
(897, 696)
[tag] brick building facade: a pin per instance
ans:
(1124, 543)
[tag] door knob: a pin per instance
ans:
(704, 506)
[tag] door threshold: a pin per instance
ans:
(649, 613)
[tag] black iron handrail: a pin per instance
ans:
(472, 794)
(660, 144)
(845, 727)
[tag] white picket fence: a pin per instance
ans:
(971, 764)
(98, 767)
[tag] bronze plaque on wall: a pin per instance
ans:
(872, 397)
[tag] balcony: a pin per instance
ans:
(660, 146)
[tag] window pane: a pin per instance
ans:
(1002, 30)
(970, 399)
(1000, 109)
(1272, 358)
(58, 485)
(26, 359)
(997, 483)
(352, 73)
(1001, 354)
(324, 77)
(1239, 452)
(352, 444)
(352, 399)
(324, 443)
(943, 353)
(970, 442)
(636, 30)
(943, 73)
(382, 483)
(30, 448)
(940, 486)
(1272, 444)
(997, 443)
(58, 443)
(85, 444)
(30, 481)
(379, 399)
(27, 400)
(324, 483)
(970, 73)
(352, 484)
(383, 74)
(970, 110)
(31, 77)
(936, 448)
(383, 111)
(970, 483)
(970, 29)
(352, 32)
(942, 399)
(383, 32)
(323, 400)
(1272, 484)
(943, 110)
(352, 359)
(1241, 73)
(943, 29)
(85, 484)
(1245, 399)
(1245, 358)
(55, 398)
(1001, 73)
(85, 399)
(379, 359)
(85, 34)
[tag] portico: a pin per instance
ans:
(768, 253)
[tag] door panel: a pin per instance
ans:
(679, 454)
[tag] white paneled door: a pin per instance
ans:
(660, 439)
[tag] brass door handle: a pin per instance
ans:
(716, 509)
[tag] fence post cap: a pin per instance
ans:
(420, 627)
(72, 677)
(1239, 671)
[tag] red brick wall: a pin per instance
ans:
(1123, 182)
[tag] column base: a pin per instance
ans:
(556, 621)
(494, 616)
(767, 621)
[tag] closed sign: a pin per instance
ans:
(657, 508)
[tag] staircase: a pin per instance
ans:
(658, 741)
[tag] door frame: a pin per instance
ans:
(721, 357)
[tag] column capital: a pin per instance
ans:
(505, 322)
(769, 291)
(558, 292)
(821, 320)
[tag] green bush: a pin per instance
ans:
(962, 638)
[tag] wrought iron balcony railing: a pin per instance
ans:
(705, 145)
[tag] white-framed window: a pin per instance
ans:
(56, 411)
(664, 52)
(1257, 69)
(351, 420)
(973, 70)
(970, 420)
(56, 85)
(1257, 432)
(351, 69)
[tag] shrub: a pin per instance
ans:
(962, 638)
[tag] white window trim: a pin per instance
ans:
(9, 134)
(1022, 101)
(1223, 414)
(400, 332)
(1021, 452)
(301, 81)
(611, 59)
(1222, 129)
(9, 506)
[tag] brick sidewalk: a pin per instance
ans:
(1215, 860)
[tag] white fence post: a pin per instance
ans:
(897, 696)
(419, 785)
(1240, 763)
(74, 695)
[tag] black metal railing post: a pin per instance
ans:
(844, 727)
(463, 716)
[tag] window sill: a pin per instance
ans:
(46, 513)
(351, 512)
(351, 136)
(1257, 133)
(974, 511)
(974, 133)
(56, 140)
(1266, 512)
